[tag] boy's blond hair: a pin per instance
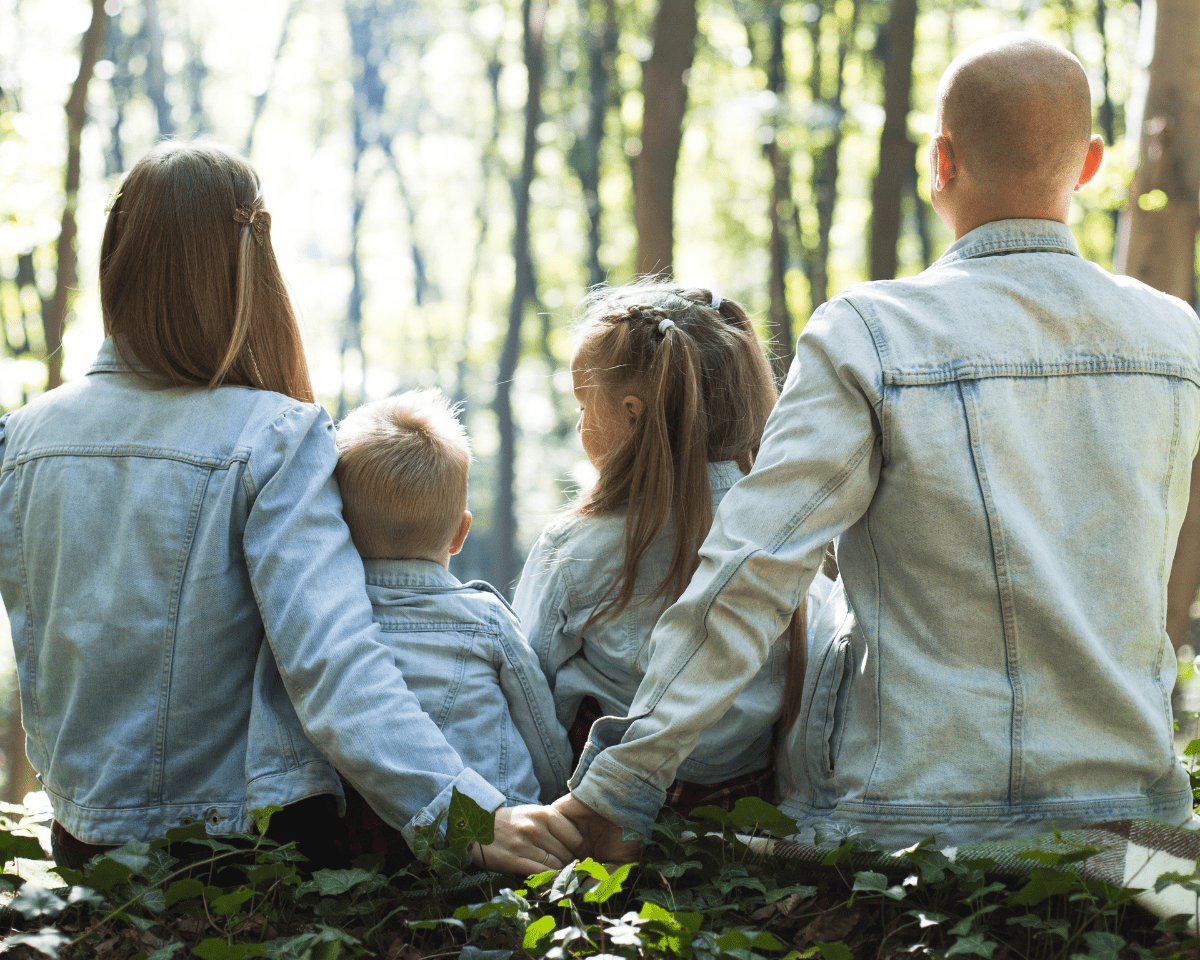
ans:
(402, 466)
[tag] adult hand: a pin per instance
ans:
(530, 839)
(601, 837)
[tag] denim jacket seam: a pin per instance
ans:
(131, 450)
(502, 644)
(975, 369)
(788, 529)
(1000, 560)
(28, 600)
(157, 782)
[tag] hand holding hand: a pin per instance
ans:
(601, 837)
(530, 839)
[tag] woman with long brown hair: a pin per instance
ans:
(193, 637)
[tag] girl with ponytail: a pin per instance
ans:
(673, 389)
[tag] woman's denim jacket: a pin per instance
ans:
(1004, 445)
(569, 571)
(189, 615)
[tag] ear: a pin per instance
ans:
(633, 407)
(1091, 163)
(461, 536)
(945, 167)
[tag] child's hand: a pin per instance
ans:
(530, 839)
(602, 837)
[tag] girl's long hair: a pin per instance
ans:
(189, 285)
(707, 388)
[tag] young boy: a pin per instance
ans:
(402, 467)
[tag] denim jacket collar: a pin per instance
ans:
(109, 360)
(409, 573)
(1011, 236)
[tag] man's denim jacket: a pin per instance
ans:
(1003, 444)
(463, 654)
(189, 616)
(570, 570)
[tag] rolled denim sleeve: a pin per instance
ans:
(815, 475)
(343, 681)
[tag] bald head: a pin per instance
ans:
(1018, 111)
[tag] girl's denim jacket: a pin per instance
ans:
(192, 631)
(1004, 446)
(569, 570)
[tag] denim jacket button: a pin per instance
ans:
(185, 820)
(214, 818)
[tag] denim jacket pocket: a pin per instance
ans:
(827, 709)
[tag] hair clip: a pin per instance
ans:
(255, 217)
(716, 301)
(665, 325)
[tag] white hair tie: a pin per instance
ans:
(716, 301)
(665, 325)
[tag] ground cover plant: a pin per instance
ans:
(702, 889)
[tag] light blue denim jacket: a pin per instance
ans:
(569, 570)
(189, 616)
(462, 653)
(1003, 444)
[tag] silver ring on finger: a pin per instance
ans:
(546, 859)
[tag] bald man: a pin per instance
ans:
(1002, 445)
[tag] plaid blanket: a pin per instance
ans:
(1132, 854)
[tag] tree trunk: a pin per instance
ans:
(601, 42)
(260, 100)
(780, 204)
(826, 159)
(1157, 242)
(533, 15)
(897, 153)
(156, 76)
(664, 93)
(55, 321)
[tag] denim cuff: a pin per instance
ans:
(617, 794)
(470, 784)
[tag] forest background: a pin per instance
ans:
(447, 178)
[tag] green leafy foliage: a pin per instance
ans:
(702, 889)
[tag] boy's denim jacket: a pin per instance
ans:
(463, 655)
(186, 605)
(1004, 445)
(569, 570)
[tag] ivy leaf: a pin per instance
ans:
(217, 949)
(1043, 883)
(167, 952)
(834, 951)
(135, 854)
(183, 890)
(877, 883)
(471, 952)
(84, 895)
(1103, 945)
(47, 940)
(466, 823)
(35, 901)
(536, 932)
(333, 883)
(754, 813)
(14, 845)
(229, 902)
(610, 885)
(974, 945)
